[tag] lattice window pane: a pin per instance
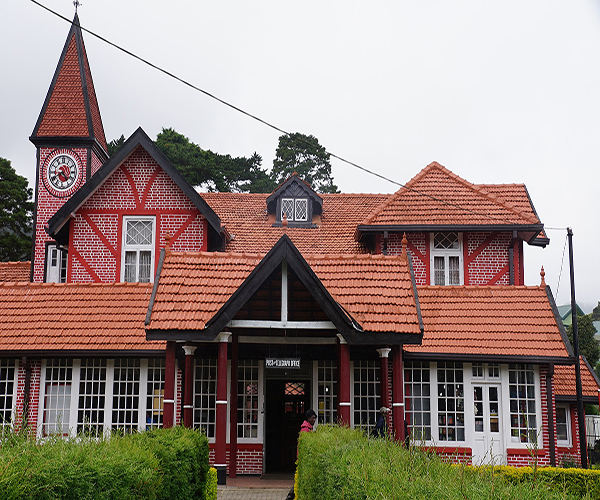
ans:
(7, 386)
(205, 395)
(287, 208)
(453, 270)
(145, 266)
(57, 401)
(139, 232)
(131, 267)
(327, 392)
(523, 417)
(126, 395)
(366, 393)
(92, 391)
(439, 270)
(301, 212)
(247, 418)
(451, 401)
(155, 392)
(417, 387)
(446, 241)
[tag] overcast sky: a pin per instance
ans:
(498, 92)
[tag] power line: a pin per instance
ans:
(264, 122)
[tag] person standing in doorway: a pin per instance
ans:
(307, 426)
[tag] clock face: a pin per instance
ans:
(63, 173)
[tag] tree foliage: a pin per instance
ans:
(596, 313)
(588, 345)
(214, 171)
(303, 154)
(115, 144)
(16, 214)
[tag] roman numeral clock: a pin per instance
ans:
(62, 172)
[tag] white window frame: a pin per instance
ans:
(325, 404)
(568, 443)
(56, 273)
(210, 363)
(10, 397)
(374, 412)
(409, 398)
(138, 248)
(435, 416)
(259, 424)
(293, 217)
(446, 253)
(108, 427)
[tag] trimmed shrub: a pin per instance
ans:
(211, 484)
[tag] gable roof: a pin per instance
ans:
(369, 298)
(496, 323)
(438, 198)
(71, 108)
(138, 138)
(564, 382)
(247, 221)
(70, 317)
(15, 271)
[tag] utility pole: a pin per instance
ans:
(580, 413)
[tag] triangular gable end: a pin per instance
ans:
(72, 84)
(57, 225)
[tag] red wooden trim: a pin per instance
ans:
(188, 413)
(204, 246)
(148, 186)
(100, 235)
(466, 259)
(480, 248)
(134, 190)
(384, 381)
(86, 266)
(344, 384)
(521, 263)
(494, 279)
(233, 390)
(169, 408)
(184, 226)
(525, 451)
(516, 266)
(221, 423)
(70, 256)
(427, 259)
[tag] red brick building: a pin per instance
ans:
(149, 304)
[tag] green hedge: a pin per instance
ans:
(160, 464)
(340, 463)
(211, 484)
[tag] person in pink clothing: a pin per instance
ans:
(307, 426)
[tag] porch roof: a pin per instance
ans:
(564, 382)
(512, 323)
(40, 318)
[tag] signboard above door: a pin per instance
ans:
(290, 363)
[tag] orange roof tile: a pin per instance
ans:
(245, 218)
(436, 196)
(488, 321)
(564, 380)
(74, 317)
(15, 271)
(375, 290)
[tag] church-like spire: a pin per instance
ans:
(71, 109)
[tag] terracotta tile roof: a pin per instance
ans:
(64, 113)
(74, 317)
(15, 271)
(245, 218)
(489, 321)
(564, 381)
(375, 290)
(462, 203)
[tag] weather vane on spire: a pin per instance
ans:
(76, 4)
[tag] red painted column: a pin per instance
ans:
(233, 407)
(398, 393)
(384, 378)
(221, 423)
(343, 382)
(188, 404)
(169, 397)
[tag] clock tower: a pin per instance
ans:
(71, 147)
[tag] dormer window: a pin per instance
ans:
(446, 259)
(295, 209)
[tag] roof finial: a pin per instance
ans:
(404, 244)
(543, 275)
(167, 243)
(76, 4)
(284, 221)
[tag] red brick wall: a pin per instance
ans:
(138, 187)
(249, 458)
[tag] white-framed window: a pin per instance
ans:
(446, 258)
(139, 236)
(248, 414)
(563, 426)
(522, 394)
(417, 399)
(8, 391)
(155, 393)
(56, 264)
(295, 209)
(366, 394)
(326, 391)
(205, 395)
(96, 396)
(450, 401)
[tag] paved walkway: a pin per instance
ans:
(255, 488)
